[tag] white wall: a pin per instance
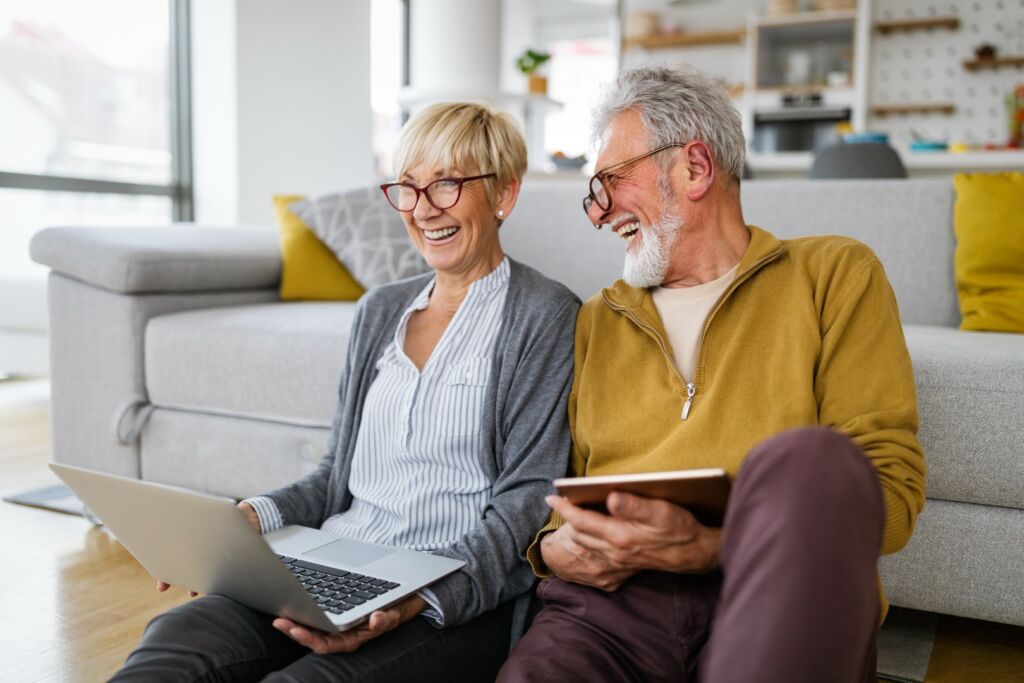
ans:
(215, 111)
(455, 51)
(281, 103)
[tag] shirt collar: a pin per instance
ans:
(498, 277)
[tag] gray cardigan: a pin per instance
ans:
(524, 424)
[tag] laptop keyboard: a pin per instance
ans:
(336, 590)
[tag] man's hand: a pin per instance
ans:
(572, 562)
(380, 622)
(250, 515)
(640, 533)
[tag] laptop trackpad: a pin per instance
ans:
(352, 553)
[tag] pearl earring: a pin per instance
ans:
(501, 213)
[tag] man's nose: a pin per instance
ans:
(596, 214)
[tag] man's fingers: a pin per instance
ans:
(649, 511)
(587, 521)
(161, 586)
(586, 542)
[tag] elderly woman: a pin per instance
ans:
(450, 424)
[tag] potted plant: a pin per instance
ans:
(529, 63)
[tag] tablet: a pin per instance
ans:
(703, 492)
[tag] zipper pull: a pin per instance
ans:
(691, 389)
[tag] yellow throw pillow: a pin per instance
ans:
(309, 270)
(989, 263)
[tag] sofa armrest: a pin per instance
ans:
(176, 258)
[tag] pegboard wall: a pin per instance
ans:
(926, 67)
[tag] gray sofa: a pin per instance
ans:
(173, 360)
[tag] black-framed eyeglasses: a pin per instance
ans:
(600, 186)
(442, 194)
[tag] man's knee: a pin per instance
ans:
(815, 464)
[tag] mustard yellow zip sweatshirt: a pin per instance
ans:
(807, 334)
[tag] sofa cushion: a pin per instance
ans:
(971, 404)
(278, 361)
(179, 258)
(227, 456)
(908, 224)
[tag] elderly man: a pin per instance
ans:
(782, 362)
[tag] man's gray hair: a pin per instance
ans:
(677, 105)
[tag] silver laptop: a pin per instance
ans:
(205, 544)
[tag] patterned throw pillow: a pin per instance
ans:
(309, 270)
(365, 233)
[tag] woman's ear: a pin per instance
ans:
(507, 196)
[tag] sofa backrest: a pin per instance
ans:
(908, 223)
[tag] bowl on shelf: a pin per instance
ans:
(567, 163)
(856, 138)
(927, 146)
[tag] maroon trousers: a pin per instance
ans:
(796, 599)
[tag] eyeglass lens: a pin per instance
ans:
(599, 192)
(442, 194)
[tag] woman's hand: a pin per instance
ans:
(250, 515)
(380, 622)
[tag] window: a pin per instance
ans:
(579, 69)
(389, 54)
(93, 117)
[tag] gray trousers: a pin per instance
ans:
(796, 599)
(214, 638)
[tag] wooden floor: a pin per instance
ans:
(74, 603)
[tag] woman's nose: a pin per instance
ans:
(424, 209)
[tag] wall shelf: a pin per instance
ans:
(994, 63)
(676, 40)
(901, 109)
(811, 17)
(887, 27)
(801, 89)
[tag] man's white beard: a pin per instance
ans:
(646, 266)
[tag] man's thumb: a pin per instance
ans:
(628, 506)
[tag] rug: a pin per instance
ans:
(905, 644)
(58, 498)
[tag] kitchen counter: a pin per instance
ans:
(797, 164)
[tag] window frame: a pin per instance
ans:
(180, 189)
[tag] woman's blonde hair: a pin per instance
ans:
(463, 137)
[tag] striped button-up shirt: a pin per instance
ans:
(417, 480)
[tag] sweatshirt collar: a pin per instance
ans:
(763, 247)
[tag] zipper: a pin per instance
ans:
(691, 387)
(653, 333)
(743, 277)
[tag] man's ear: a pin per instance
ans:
(700, 170)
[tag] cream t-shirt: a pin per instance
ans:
(683, 311)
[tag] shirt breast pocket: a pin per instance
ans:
(462, 396)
